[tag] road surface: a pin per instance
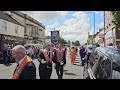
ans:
(70, 71)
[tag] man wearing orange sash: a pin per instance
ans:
(60, 59)
(46, 58)
(25, 67)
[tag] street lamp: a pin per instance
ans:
(104, 29)
(94, 25)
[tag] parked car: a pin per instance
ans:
(104, 64)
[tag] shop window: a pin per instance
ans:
(4, 26)
(16, 29)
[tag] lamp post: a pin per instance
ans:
(104, 28)
(94, 26)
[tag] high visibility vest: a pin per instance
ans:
(59, 56)
(47, 57)
(20, 68)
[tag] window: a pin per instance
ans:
(16, 29)
(4, 26)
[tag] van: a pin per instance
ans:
(104, 64)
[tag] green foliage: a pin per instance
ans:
(116, 17)
(77, 43)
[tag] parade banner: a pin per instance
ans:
(55, 37)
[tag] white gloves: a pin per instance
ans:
(61, 62)
(43, 62)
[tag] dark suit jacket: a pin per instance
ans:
(47, 64)
(29, 71)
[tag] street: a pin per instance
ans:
(70, 71)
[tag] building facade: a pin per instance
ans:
(101, 37)
(34, 30)
(90, 39)
(112, 32)
(96, 37)
(11, 31)
(47, 40)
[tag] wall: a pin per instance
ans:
(11, 29)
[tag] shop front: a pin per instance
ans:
(8, 40)
(109, 38)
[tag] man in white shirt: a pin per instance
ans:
(25, 68)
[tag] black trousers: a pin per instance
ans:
(59, 70)
(45, 71)
(6, 60)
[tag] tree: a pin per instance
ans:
(65, 42)
(116, 17)
(77, 43)
(61, 40)
(73, 43)
(69, 42)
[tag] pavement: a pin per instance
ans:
(70, 71)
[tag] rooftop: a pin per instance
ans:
(8, 18)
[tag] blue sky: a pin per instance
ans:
(73, 25)
(98, 19)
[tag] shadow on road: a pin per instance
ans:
(69, 73)
(77, 65)
(65, 70)
(77, 62)
(7, 65)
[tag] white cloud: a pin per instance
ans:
(55, 25)
(47, 32)
(76, 28)
(46, 16)
(101, 25)
(91, 31)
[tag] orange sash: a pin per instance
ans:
(20, 68)
(47, 57)
(59, 56)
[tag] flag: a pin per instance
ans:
(55, 37)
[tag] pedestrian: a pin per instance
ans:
(25, 67)
(72, 55)
(82, 53)
(60, 60)
(76, 50)
(5, 55)
(9, 54)
(46, 58)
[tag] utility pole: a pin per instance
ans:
(94, 27)
(104, 29)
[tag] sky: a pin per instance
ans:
(73, 25)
